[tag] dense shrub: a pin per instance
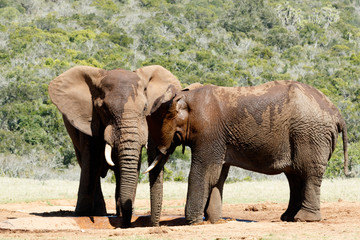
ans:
(223, 42)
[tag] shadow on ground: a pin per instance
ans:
(112, 221)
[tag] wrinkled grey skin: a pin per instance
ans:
(109, 108)
(278, 127)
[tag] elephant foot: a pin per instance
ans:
(307, 216)
(126, 224)
(197, 221)
(94, 211)
(286, 217)
(100, 213)
(155, 220)
(126, 216)
(82, 214)
(87, 206)
(90, 213)
(212, 220)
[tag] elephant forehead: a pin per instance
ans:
(122, 83)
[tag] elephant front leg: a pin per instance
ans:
(201, 180)
(156, 194)
(213, 208)
(156, 180)
(195, 201)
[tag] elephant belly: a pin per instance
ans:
(258, 161)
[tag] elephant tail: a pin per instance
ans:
(343, 130)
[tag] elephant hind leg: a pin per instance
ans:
(90, 200)
(99, 208)
(310, 207)
(296, 188)
(312, 158)
(304, 203)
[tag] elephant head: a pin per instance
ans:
(112, 105)
(169, 123)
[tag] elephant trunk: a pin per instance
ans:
(124, 141)
(128, 149)
(129, 166)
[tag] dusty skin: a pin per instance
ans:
(54, 220)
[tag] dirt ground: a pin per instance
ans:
(55, 219)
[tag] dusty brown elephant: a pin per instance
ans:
(105, 115)
(278, 127)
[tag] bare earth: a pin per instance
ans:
(54, 219)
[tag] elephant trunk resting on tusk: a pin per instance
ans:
(108, 155)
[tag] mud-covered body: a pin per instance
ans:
(282, 126)
(259, 126)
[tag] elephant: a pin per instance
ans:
(104, 112)
(277, 127)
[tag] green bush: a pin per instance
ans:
(311, 33)
(121, 39)
(9, 13)
(226, 43)
(281, 38)
(105, 5)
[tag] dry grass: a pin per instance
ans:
(26, 190)
(278, 191)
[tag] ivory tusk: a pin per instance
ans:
(153, 164)
(108, 155)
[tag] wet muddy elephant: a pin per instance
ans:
(105, 115)
(278, 127)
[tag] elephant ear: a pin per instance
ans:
(157, 81)
(71, 93)
(193, 86)
(161, 101)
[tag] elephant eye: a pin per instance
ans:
(145, 107)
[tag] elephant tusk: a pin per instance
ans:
(153, 164)
(108, 155)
